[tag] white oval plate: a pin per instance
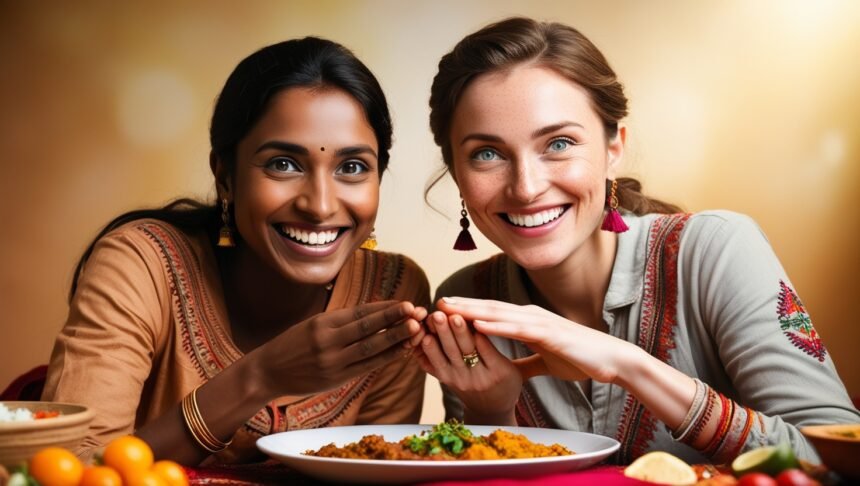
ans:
(289, 448)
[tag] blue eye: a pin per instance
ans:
(560, 144)
(283, 164)
(352, 167)
(484, 155)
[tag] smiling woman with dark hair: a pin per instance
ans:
(202, 327)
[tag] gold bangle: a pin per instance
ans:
(197, 427)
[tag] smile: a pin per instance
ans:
(535, 219)
(308, 238)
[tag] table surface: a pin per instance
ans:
(275, 473)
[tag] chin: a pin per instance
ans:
(535, 260)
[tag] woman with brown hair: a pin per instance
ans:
(200, 327)
(608, 312)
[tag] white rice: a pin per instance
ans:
(15, 415)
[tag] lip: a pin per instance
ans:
(315, 251)
(535, 231)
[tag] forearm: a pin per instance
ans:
(665, 391)
(225, 402)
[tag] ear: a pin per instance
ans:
(223, 180)
(615, 152)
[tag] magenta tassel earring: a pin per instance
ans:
(613, 221)
(464, 239)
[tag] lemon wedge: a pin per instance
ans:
(770, 460)
(661, 467)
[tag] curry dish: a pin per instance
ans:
(447, 441)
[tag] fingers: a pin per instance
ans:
(436, 358)
(341, 317)
(445, 334)
(379, 342)
(372, 323)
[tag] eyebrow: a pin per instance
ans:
(540, 132)
(284, 147)
(301, 150)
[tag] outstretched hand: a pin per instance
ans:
(567, 350)
(331, 348)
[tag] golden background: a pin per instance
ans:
(749, 106)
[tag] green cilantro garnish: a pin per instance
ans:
(452, 437)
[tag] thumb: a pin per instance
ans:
(531, 366)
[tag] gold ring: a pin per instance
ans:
(472, 359)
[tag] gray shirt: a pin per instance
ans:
(729, 316)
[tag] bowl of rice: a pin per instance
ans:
(27, 427)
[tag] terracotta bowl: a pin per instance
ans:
(21, 440)
(838, 446)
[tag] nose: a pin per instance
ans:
(317, 198)
(527, 181)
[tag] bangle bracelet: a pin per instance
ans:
(693, 412)
(197, 427)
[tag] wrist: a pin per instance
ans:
(256, 378)
(631, 367)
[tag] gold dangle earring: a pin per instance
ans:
(370, 243)
(225, 237)
(464, 239)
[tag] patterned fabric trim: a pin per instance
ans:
(796, 323)
(656, 329)
(206, 344)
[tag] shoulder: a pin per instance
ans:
(721, 226)
(154, 243)
(394, 276)
(476, 280)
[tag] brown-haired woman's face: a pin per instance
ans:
(531, 159)
(306, 184)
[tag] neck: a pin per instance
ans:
(261, 303)
(576, 288)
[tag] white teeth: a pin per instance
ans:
(536, 219)
(310, 237)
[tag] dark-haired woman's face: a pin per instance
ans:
(531, 158)
(306, 185)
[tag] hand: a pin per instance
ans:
(331, 348)
(568, 350)
(489, 389)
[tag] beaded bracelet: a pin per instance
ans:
(197, 427)
(695, 410)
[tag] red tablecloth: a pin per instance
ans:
(272, 474)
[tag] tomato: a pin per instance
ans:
(128, 455)
(146, 477)
(101, 476)
(55, 466)
(794, 477)
(171, 472)
(756, 479)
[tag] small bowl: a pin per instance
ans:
(838, 446)
(19, 441)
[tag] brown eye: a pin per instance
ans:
(283, 164)
(352, 167)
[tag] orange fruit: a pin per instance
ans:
(100, 476)
(146, 477)
(55, 466)
(128, 455)
(171, 472)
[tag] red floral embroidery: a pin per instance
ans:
(796, 324)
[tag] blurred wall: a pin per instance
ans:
(750, 106)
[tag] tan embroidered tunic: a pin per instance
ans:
(148, 323)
